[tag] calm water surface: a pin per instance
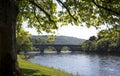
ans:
(82, 64)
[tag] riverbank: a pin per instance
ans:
(32, 69)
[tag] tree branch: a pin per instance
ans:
(67, 9)
(108, 9)
(37, 17)
(48, 15)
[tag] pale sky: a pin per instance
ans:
(72, 31)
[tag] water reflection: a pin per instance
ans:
(82, 64)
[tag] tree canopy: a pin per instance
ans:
(45, 15)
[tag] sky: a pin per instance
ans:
(72, 31)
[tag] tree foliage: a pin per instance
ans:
(106, 41)
(88, 46)
(40, 14)
(45, 15)
(23, 40)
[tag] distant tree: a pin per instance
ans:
(88, 46)
(36, 40)
(112, 47)
(102, 45)
(40, 40)
(92, 38)
(107, 40)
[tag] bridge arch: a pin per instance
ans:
(66, 48)
(50, 48)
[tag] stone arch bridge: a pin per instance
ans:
(58, 47)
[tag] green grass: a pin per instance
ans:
(32, 69)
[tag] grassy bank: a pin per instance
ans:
(32, 69)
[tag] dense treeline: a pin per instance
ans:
(106, 41)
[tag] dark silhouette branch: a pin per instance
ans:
(37, 17)
(45, 12)
(108, 9)
(59, 1)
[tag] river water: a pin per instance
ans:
(81, 64)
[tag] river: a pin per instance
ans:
(81, 64)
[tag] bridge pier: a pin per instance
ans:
(58, 51)
(42, 50)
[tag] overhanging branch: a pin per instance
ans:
(46, 13)
(67, 10)
(37, 17)
(108, 9)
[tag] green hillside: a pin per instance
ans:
(59, 40)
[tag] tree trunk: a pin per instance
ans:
(8, 56)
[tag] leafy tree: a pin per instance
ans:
(112, 35)
(23, 40)
(88, 46)
(112, 47)
(108, 41)
(92, 38)
(44, 16)
(102, 45)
